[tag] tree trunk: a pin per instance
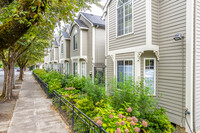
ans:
(4, 82)
(21, 73)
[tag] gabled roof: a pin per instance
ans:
(65, 34)
(55, 43)
(94, 19)
(80, 23)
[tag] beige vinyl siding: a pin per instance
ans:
(110, 68)
(137, 38)
(155, 21)
(56, 54)
(171, 66)
(67, 49)
(75, 52)
(197, 67)
(100, 45)
(84, 42)
(89, 65)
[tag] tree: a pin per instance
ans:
(18, 16)
(37, 37)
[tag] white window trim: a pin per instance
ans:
(85, 68)
(75, 34)
(124, 22)
(154, 72)
(73, 67)
(123, 68)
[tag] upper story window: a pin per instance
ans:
(75, 40)
(62, 47)
(124, 17)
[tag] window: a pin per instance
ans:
(75, 68)
(75, 40)
(124, 70)
(150, 74)
(83, 69)
(62, 68)
(62, 47)
(124, 17)
(67, 68)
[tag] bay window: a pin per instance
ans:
(67, 68)
(83, 69)
(150, 74)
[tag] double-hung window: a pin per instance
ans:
(75, 68)
(75, 40)
(124, 17)
(150, 74)
(83, 69)
(67, 68)
(124, 70)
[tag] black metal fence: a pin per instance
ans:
(77, 121)
(43, 85)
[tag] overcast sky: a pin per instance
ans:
(94, 10)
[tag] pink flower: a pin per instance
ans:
(144, 123)
(136, 129)
(97, 118)
(135, 119)
(132, 123)
(129, 109)
(129, 119)
(123, 123)
(120, 116)
(126, 131)
(66, 95)
(117, 124)
(99, 122)
(124, 117)
(118, 130)
(110, 116)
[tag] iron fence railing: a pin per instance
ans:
(77, 121)
(43, 85)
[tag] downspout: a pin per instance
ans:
(194, 68)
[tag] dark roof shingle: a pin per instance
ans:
(65, 34)
(81, 23)
(94, 19)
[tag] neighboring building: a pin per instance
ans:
(64, 52)
(139, 43)
(87, 45)
(54, 56)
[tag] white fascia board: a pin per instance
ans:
(189, 62)
(86, 19)
(148, 23)
(135, 49)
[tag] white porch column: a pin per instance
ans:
(137, 67)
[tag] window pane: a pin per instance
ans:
(75, 67)
(83, 69)
(149, 74)
(120, 21)
(120, 71)
(128, 69)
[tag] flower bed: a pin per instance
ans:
(128, 108)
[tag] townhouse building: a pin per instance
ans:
(158, 40)
(87, 45)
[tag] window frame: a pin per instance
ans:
(82, 68)
(124, 19)
(74, 68)
(155, 66)
(124, 67)
(67, 70)
(75, 36)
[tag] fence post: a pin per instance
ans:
(100, 129)
(73, 118)
(60, 101)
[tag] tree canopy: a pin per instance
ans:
(18, 16)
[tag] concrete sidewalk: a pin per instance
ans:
(33, 111)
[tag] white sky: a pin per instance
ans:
(94, 10)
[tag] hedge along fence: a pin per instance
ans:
(77, 121)
(129, 107)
